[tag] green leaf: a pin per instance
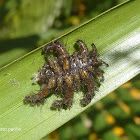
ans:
(24, 18)
(116, 34)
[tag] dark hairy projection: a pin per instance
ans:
(66, 73)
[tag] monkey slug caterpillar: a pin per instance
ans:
(67, 73)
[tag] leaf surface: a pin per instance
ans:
(116, 34)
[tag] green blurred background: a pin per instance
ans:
(28, 24)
